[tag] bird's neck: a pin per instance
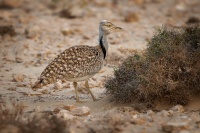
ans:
(103, 43)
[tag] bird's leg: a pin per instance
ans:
(88, 89)
(75, 86)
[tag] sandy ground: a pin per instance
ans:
(41, 34)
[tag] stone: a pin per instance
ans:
(11, 3)
(32, 31)
(172, 125)
(164, 113)
(81, 111)
(10, 129)
(178, 108)
(18, 60)
(64, 114)
(18, 78)
(139, 121)
(131, 17)
(58, 85)
(184, 131)
(67, 32)
(69, 107)
(56, 110)
(37, 109)
(150, 112)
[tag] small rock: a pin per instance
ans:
(131, 17)
(67, 32)
(65, 115)
(74, 12)
(184, 131)
(164, 113)
(171, 112)
(193, 20)
(56, 110)
(37, 109)
(181, 7)
(81, 111)
(150, 112)
(175, 126)
(45, 91)
(18, 78)
(10, 129)
(11, 3)
(66, 85)
(178, 108)
(18, 60)
(138, 121)
(58, 85)
(32, 31)
(69, 107)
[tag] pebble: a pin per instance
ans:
(32, 31)
(56, 110)
(58, 85)
(131, 17)
(65, 115)
(10, 129)
(11, 3)
(81, 111)
(164, 113)
(67, 32)
(175, 125)
(18, 60)
(150, 112)
(37, 109)
(138, 121)
(18, 78)
(178, 108)
(69, 107)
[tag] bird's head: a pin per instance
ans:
(108, 27)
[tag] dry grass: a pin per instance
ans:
(7, 30)
(126, 80)
(169, 71)
(14, 120)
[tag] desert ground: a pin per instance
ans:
(37, 31)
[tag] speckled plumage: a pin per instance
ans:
(78, 63)
(73, 64)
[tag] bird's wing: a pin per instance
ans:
(77, 61)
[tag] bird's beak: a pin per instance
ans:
(116, 29)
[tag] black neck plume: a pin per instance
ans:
(102, 47)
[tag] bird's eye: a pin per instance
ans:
(109, 25)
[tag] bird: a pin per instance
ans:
(78, 63)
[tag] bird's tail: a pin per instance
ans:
(42, 82)
(38, 84)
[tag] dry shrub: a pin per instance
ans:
(7, 30)
(124, 84)
(173, 59)
(16, 120)
(170, 70)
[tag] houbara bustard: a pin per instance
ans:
(78, 63)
